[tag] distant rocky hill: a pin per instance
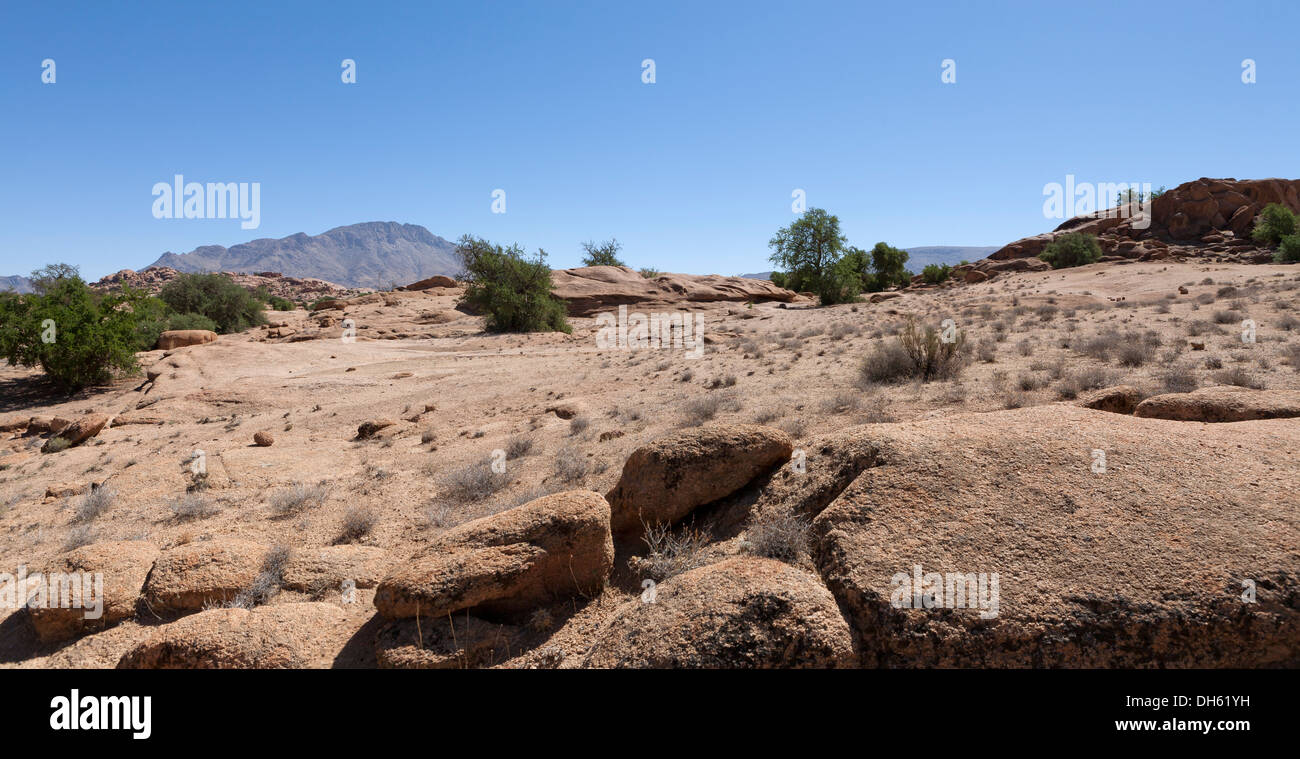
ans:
(375, 254)
(296, 289)
(17, 284)
(1205, 219)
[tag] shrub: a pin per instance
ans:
(268, 581)
(93, 504)
(1273, 223)
(215, 296)
(1179, 379)
(1091, 378)
(918, 354)
(358, 522)
(514, 292)
(75, 335)
(191, 321)
(518, 446)
(1288, 251)
(299, 497)
(192, 506)
(1239, 377)
(473, 483)
(649, 273)
(671, 553)
(570, 464)
(1071, 249)
(604, 254)
(936, 273)
(783, 537)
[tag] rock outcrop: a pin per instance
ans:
(1179, 551)
(181, 338)
(192, 576)
(591, 289)
(666, 479)
(288, 636)
(118, 567)
(740, 613)
(510, 563)
(1222, 404)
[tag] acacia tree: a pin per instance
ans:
(810, 250)
(604, 254)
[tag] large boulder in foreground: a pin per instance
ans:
(121, 568)
(1143, 564)
(287, 636)
(666, 479)
(1222, 404)
(744, 612)
(181, 338)
(192, 576)
(554, 547)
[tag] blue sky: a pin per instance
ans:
(693, 173)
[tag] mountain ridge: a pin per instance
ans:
(367, 254)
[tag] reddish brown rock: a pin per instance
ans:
(120, 568)
(507, 564)
(666, 479)
(1222, 404)
(180, 338)
(285, 636)
(744, 612)
(193, 576)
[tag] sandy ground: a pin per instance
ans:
(457, 394)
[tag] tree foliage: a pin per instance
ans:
(513, 291)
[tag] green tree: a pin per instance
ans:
(1288, 251)
(513, 291)
(809, 252)
(1273, 223)
(77, 336)
(215, 296)
(936, 273)
(1071, 249)
(604, 254)
(890, 264)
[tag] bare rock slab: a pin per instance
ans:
(554, 547)
(120, 568)
(1178, 552)
(190, 577)
(743, 612)
(1222, 404)
(666, 479)
(287, 636)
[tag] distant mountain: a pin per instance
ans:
(17, 284)
(945, 254)
(372, 254)
(919, 258)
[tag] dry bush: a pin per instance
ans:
(268, 581)
(299, 497)
(473, 482)
(670, 552)
(920, 354)
(1090, 378)
(1179, 379)
(192, 506)
(704, 408)
(1238, 376)
(358, 522)
(783, 537)
(93, 504)
(570, 464)
(518, 446)
(81, 535)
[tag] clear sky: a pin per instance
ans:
(545, 100)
